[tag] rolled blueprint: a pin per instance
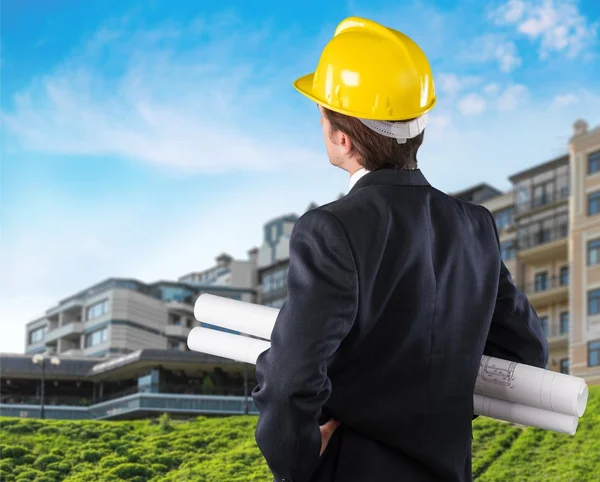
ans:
(524, 415)
(247, 350)
(236, 315)
(497, 378)
(226, 345)
(531, 386)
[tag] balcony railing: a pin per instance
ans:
(541, 286)
(543, 236)
(139, 402)
(529, 200)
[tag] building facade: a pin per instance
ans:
(119, 316)
(584, 252)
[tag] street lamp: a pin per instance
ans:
(41, 360)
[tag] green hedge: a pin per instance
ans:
(217, 449)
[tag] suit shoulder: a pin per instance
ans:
(466, 206)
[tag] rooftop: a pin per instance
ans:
(539, 168)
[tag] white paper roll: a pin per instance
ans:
(532, 386)
(226, 345)
(235, 315)
(499, 379)
(247, 350)
(524, 415)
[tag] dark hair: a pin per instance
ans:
(374, 150)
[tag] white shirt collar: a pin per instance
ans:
(357, 175)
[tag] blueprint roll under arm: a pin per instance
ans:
(247, 350)
(523, 386)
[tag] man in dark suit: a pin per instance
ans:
(395, 292)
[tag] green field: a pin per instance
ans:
(219, 449)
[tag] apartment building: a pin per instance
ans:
(119, 316)
(584, 252)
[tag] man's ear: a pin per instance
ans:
(345, 143)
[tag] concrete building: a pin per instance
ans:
(119, 316)
(143, 383)
(272, 260)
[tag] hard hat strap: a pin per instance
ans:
(400, 130)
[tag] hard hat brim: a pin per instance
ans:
(304, 85)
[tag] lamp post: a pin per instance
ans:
(41, 360)
(246, 410)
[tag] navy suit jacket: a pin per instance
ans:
(395, 292)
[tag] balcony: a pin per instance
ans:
(175, 306)
(540, 202)
(71, 330)
(177, 331)
(543, 244)
(551, 291)
(557, 341)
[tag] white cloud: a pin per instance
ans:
(497, 48)
(491, 89)
(192, 110)
(451, 84)
(557, 24)
(472, 104)
(512, 97)
(564, 99)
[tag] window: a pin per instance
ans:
(594, 162)
(275, 281)
(594, 353)
(37, 335)
(97, 310)
(594, 302)
(564, 366)
(507, 250)
(564, 322)
(593, 203)
(503, 218)
(564, 276)
(96, 337)
(593, 252)
(544, 321)
(539, 196)
(541, 281)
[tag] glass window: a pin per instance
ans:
(564, 276)
(541, 281)
(37, 335)
(594, 302)
(507, 250)
(96, 337)
(564, 366)
(504, 218)
(544, 322)
(593, 251)
(96, 310)
(593, 203)
(594, 162)
(564, 322)
(594, 353)
(176, 293)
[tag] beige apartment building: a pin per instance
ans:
(549, 229)
(584, 252)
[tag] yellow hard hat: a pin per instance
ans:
(371, 72)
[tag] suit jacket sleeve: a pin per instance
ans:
(318, 313)
(516, 331)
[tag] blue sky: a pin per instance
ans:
(142, 139)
